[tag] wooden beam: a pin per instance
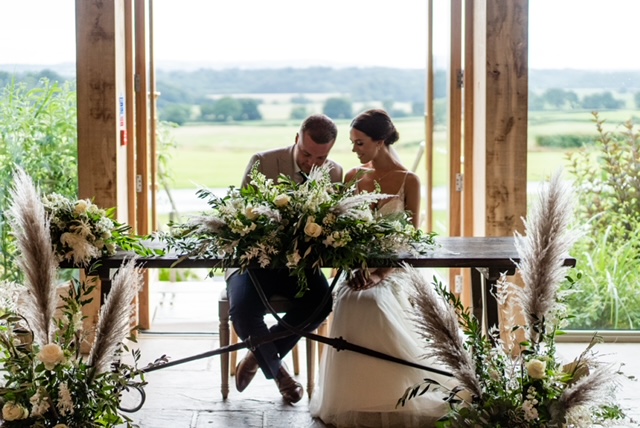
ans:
(142, 148)
(100, 94)
(506, 106)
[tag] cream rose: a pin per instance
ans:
(250, 213)
(12, 411)
(536, 368)
(313, 229)
(81, 206)
(282, 200)
(51, 355)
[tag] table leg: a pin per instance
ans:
(477, 290)
(105, 283)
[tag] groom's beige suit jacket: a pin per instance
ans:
(272, 163)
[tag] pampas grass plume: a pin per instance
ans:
(37, 258)
(114, 319)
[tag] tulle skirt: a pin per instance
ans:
(356, 390)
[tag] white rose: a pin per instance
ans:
(536, 368)
(313, 229)
(81, 206)
(282, 200)
(250, 213)
(51, 355)
(12, 411)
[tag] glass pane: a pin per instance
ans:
(580, 62)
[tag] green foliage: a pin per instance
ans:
(37, 132)
(564, 141)
(299, 113)
(520, 387)
(559, 98)
(230, 109)
(53, 383)
(176, 113)
(338, 108)
(607, 296)
(601, 101)
(607, 179)
(300, 227)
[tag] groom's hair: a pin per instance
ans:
(320, 128)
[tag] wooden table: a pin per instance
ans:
(487, 257)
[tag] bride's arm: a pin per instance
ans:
(365, 279)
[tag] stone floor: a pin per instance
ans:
(188, 395)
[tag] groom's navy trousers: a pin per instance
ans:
(247, 310)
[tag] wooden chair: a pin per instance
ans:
(229, 336)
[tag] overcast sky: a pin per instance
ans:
(587, 34)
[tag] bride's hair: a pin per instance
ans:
(377, 124)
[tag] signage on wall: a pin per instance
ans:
(122, 122)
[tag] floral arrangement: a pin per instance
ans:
(297, 226)
(519, 381)
(46, 381)
(81, 231)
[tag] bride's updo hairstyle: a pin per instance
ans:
(377, 125)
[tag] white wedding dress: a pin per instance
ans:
(356, 390)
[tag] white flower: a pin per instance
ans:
(77, 321)
(251, 213)
(536, 368)
(39, 404)
(65, 402)
(312, 229)
(81, 206)
(51, 355)
(530, 412)
(60, 426)
(282, 200)
(13, 412)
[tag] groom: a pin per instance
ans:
(313, 143)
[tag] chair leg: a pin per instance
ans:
(311, 365)
(233, 355)
(224, 358)
(296, 360)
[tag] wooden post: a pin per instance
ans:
(100, 93)
(142, 148)
(500, 116)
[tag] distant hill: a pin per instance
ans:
(360, 84)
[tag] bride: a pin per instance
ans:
(357, 390)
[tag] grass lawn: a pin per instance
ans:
(215, 156)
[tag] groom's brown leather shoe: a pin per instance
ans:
(245, 371)
(291, 390)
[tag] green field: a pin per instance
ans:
(215, 156)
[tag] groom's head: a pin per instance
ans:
(314, 141)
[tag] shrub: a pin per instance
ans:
(38, 132)
(564, 141)
(607, 181)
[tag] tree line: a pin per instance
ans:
(212, 95)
